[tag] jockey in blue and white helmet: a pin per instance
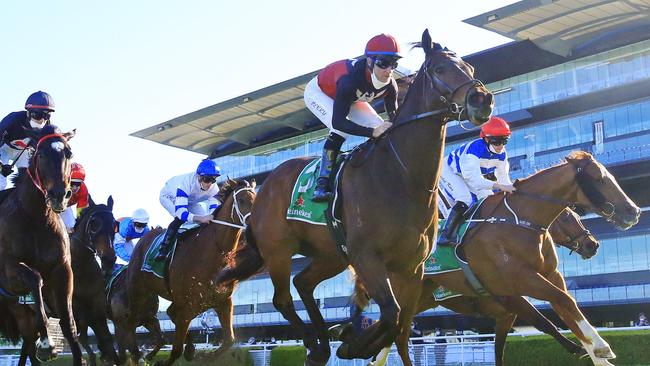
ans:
(130, 228)
(182, 196)
(14, 140)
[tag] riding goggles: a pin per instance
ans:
(139, 224)
(500, 140)
(40, 115)
(384, 63)
(75, 184)
(208, 179)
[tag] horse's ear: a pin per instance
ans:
(426, 42)
(109, 203)
(69, 135)
(253, 183)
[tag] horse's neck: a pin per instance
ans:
(552, 183)
(31, 199)
(226, 236)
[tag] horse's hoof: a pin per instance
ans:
(344, 352)
(45, 354)
(605, 353)
(189, 352)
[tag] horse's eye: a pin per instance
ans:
(439, 70)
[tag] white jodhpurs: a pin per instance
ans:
(167, 202)
(453, 186)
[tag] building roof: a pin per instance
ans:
(274, 113)
(564, 27)
(545, 32)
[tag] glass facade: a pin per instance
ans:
(625, 137)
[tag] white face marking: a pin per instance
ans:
(58, 146)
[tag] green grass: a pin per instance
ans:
(630, 347)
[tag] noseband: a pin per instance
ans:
(37, 181)
(574, 244)
(236, 210)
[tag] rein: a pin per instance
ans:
(235, 210)
(91, 234)
(573, 244)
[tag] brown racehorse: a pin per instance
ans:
(191, 287)
(93, 236)
(509, 258)
(34, 244)
(567, 230)
(389, 207)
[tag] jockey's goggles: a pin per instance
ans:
(384, 62)
(139, 224)
(40, 115)
(498, 140)
(75, 184)
(208, 179)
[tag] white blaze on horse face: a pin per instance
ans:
(58, 146)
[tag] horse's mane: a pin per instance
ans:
(20, 176)
(86, 212)
(579, 155)
(574, 155)
(230, 185)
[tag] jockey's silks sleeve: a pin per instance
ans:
(474, 159)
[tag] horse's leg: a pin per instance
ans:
(82, 327)
(32, 280)
(374, 276)
(535, 285)
(121, 338)
(104, 339)
(182, 323)
(224, 311)
(525, 310)
(279, 267)
(503, 326)
(60, 285)
(153, 325)
(305, 282)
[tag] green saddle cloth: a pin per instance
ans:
(302, 208)
(159, 269)
(111, 281)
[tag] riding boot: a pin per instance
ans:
(168, 240)
(323, 190)
(456, 217)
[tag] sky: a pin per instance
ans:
(117, 67)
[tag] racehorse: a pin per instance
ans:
(201, 253)
(93, 235)
(34, 244)
(388, 209)
(509, 258)
(567, 230)
(119, 312)
(18, 323)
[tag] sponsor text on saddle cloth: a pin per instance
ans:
(445, 258)
(301, 207)
(159, 269)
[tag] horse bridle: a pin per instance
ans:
(91, 233)
(573, 244)
(235, 210)
(37, 181)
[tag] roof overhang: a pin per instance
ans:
(566, 27)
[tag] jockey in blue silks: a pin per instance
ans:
(130, 228)
(182, 197)
(463, 173)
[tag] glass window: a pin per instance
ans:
(610, 254)
(635, 292)
(617, 293)
(625, 258)
(639, 253)
(600, 294)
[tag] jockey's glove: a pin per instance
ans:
(6, 170)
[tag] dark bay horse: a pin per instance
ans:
(34, 244)
(389, 208)
(567, 230)
(93, 236)
(120, 313)
(191, 286)
(509, 259)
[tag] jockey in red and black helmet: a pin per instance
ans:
(38, 108)
(340, 95)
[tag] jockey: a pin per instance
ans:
(340, 97)
(80, 196)
(13, 138)
(130, 228)
(181, 197)
(463, 176)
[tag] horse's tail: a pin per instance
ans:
(248, 262)
(8, 324)
(360, 297)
